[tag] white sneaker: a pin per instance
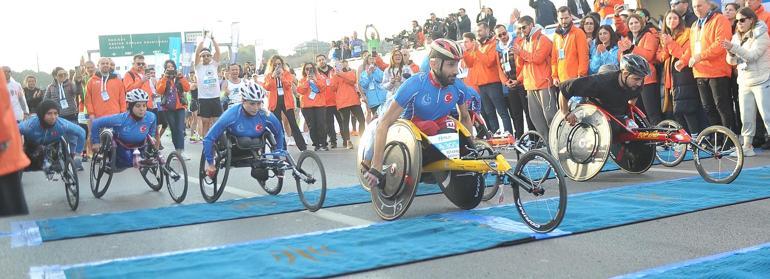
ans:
(748, 151)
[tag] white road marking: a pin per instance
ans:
(339, 218)
(673, 170)
(229, 188)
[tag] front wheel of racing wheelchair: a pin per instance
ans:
(61, 163)
(102, 165)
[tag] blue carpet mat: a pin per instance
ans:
(752, 262)
(404, 241)
(30, 233)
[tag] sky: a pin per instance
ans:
(60, 32)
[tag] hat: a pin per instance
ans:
(674, 2)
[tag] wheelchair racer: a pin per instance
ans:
(248, 120)
(47, 128)
(130, 129)
(612, 90)
(429, 96)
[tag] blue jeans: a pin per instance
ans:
(493, 103)
(176, 123)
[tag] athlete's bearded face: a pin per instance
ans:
(446, 72)
(632, 82)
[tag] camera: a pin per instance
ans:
(406, 75)
(171, 73)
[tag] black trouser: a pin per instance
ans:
(518, 108)
(331, 113)
(717, 101)
(296, 133)
(316, 122)
(492, 104)
(12, 201)
(651, 103)
(355, 111)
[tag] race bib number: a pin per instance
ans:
(328, 82)
(280, 91)
(312, 95)
(82, 118)
(448, 144)
(105, 96)
(210, 82)
(507, 67)
(63, 103)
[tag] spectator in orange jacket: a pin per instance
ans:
(327, 72)
(709, 65)
(137, 79)
(759, 9)
(483, 61)
(312, 88)
(644, 42)
(533, 59)
(105, 93)
(280, 100)
(412, 66)
(348, 100)
(606, 7)
(569, 57)
(12, 201)
(173, 85)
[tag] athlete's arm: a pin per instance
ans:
(275, 126)
(73, 130)
(104, 122)
(216, 131)
(387, 119)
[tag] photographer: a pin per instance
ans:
(418, 36)
(452, 27)
(172, 87)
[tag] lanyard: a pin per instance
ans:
(62, 96)
(104, 82)
(278, 82)
(564, 42)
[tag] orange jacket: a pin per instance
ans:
(608, 7)
(763, 15)
(304, 91)
(272, 87)
(575, 61)
(534, 62)
(330, 91)
(97, 106)
(677, 49)
(712, 56)
(647, 47)
(131, 83)
(620, 26)
(346, 89)
(483, 62)
(13, 156)
(180, 94)
(380, 63)
(414, 67)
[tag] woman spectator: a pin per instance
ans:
(730, 10)
(678, 79)
(605, 50)
(748, 50)
(396, 73)
(33, 94)
(172, 86)
(278, 82)
(64, 92)
(313, 105)
(590, 26)
(370, 80)
(348, 100)
(644, 41)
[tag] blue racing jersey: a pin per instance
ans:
(473, 100)
(427, 100)
(33, 131)
(239, 124)
(127, 129)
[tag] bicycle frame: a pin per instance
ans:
(287, 164)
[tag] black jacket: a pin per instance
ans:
(545, 12)
(574, 10)
(465, 25)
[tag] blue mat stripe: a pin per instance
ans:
(408, 240)
(46, 230)
(744, 263)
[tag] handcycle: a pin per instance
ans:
(155, 169)
(583, 149)
(237, 152)
(57, 161)
(452, 161)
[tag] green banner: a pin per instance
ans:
(133, 44)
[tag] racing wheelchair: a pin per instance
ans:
(583, 149)
(56, 161)
(242, 152)
(155, 169)
(458, 166)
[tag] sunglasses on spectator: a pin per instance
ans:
(742, 20)
(502, 34)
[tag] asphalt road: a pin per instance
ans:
(596, 254)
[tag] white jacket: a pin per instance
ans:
(751, 57)
(387, 79)
(18, 101)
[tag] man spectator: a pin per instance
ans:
(32, 93)
(105, 93)
(483, 60)
(569, 57)
(356, 45)
(16, 95)
(545, 12)
(709, 65)
(682, 7)
(533, 58)
(418, 35)
(137, 79)
(606, 7)
(464, 22)
(487, 16)
(408, 61)
(759, 9)
(511, 28)
(578, 8)
(207, 75)
(373, 38)
(12, 201)
(437, 27)
(451, 27)
(515, 96)
(330, 93)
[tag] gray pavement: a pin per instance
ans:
(590, 255)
